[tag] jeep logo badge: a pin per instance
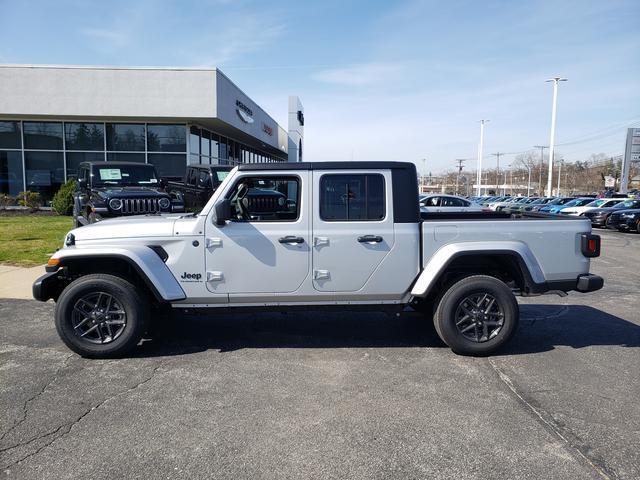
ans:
(191, 276)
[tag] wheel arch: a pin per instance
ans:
(512, 263)
(139, 263)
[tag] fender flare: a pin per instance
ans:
(439, 262)
(145, 261)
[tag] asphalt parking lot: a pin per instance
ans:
(316, 395)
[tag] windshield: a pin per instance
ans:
(596, 203)
(124, 175)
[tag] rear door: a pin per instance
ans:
(353, 227)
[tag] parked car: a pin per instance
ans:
(518, 207)
(498, 203)
(116, 189)
(625, 220)
(199, 183)
(538, 204)
(600, 202)
(576, 202)
(598, 216)
(448, 203)
(352, 236)
(553, 204)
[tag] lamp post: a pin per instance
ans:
(480, 147)
(552, 138)
(529, 179)
(559, 174)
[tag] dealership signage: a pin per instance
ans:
(244, 112)
(267, 129)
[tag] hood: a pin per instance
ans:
(629, 210)
(128, 227)
(128, 192)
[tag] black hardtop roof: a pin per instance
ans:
(350, 165)
(113, 163)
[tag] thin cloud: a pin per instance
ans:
(113, 37)
(360, 75)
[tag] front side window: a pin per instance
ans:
(265, 199)
(453, 202)
(352, 197)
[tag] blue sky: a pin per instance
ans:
(379, 80)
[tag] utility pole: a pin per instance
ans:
(559, 173)
(460, 162)
(552, 138)
(480, 147)
(540, 189)
(497, 155)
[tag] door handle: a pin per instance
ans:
(370, 239)
(291, 240)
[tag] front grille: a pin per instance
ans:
(136, 206)
(264, 204)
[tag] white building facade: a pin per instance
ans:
(52, 118)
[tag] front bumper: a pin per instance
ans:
(47, 286)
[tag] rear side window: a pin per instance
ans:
(352, 198)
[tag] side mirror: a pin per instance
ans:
(82, 184)
(222, 210)
(163, 182)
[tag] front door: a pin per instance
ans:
(265, 248)
(353, 228)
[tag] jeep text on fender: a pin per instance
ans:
(324, 235)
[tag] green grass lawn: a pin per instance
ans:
(28, 240)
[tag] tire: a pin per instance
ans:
(101, 316)
(495, 321)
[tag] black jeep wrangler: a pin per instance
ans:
(115, 189)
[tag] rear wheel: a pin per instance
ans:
(476, 315)
(101, 316)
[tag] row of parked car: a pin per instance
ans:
(615, 213)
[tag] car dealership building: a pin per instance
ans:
(52, 118)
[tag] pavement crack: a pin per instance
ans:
(69, 426)
(547, 420)
(25, 406)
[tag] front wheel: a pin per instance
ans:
(476, 315)
(101, 316)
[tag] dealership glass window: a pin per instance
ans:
(194, 140)
(352, 197)
(166, 138)
(223, 153)
(125, 157)
(205, 141)
(10, 135)
(84, 136)
(44, 172)
(215, 140)
(127, 137)
(194, 159)
(76, 158)
(170, 165)
(42, 135)
(10, 172)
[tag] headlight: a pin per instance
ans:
(115, 204)
(164, 203)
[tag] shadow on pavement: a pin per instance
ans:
(542, 328)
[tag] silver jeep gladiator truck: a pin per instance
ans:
(341, 235)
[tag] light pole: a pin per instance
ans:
(480, 147)
(541, 147)
(424, 162)
(526, 164)
(552, 139)
(497, 155)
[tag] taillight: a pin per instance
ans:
(590, 245)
